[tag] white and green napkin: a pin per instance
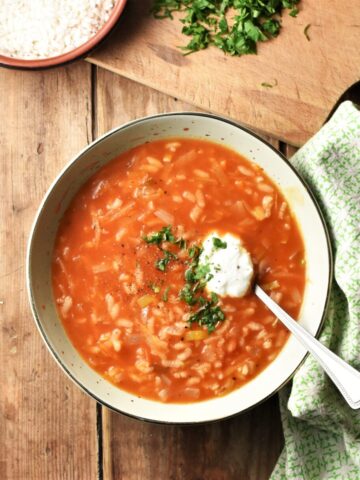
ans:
(322, 434)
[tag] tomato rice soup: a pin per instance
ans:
(129, 286)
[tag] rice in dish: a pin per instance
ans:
(39, 29)
(131, 280)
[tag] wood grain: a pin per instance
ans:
(289, 150)
(245, 447)
(48, 427)
(310, 75)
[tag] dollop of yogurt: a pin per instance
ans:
(231, 268)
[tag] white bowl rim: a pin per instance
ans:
(91, 145)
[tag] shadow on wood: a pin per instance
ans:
(245, 447)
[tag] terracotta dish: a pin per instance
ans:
(81, 51)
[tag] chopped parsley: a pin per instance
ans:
(187, 295)
(269, 85)
(207, 22)
(194, 251)
(162, 263)
(197, 275)
(165, 296)
(209, 314)
(204, 311)
(306, 32)
(164, 235)
(219, 243)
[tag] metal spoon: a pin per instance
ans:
(345, 377)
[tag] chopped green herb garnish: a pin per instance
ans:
(196, 275)
(214, 297)
(234, 26)
(164, 235)
(155, 238)
(166, 294)
(187, 295)
(202, 272)
(218, 243)
(209, 314)
(190, 275)
(181, 243)
(162, 263)
(269, 85)
(306, 30)
(194, 251)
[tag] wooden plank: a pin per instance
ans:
(48, 427)
(244, 447)
(310, 75)
(289, 150)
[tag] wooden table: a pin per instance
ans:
(49, 429)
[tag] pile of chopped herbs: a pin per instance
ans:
(234, 26)
(204, 310)
(157, 238)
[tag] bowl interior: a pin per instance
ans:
(87, 163)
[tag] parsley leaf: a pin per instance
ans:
(306, 32)
(269, 85)
(197, 275)
(218, 243)
(166, 294)
(187, 295)
(164, 235)
(209, 314)
(194, 251)
(162, 263)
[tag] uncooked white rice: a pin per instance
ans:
(39, 29)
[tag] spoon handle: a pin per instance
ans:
(345, 377)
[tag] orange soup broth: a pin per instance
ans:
(124, 316)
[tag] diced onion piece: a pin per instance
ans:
(258, 213)
(172, 146)
(164, 216)
(186, 158)
(201, 173)
(219, 172)
(267, 203)
(154, 161)
(192, 392)
(66, 306)
(195, 213)
(271, 285)
(145, 300)
(194, 335)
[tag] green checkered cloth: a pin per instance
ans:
(322, 434)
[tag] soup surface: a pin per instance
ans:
(128, 286)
